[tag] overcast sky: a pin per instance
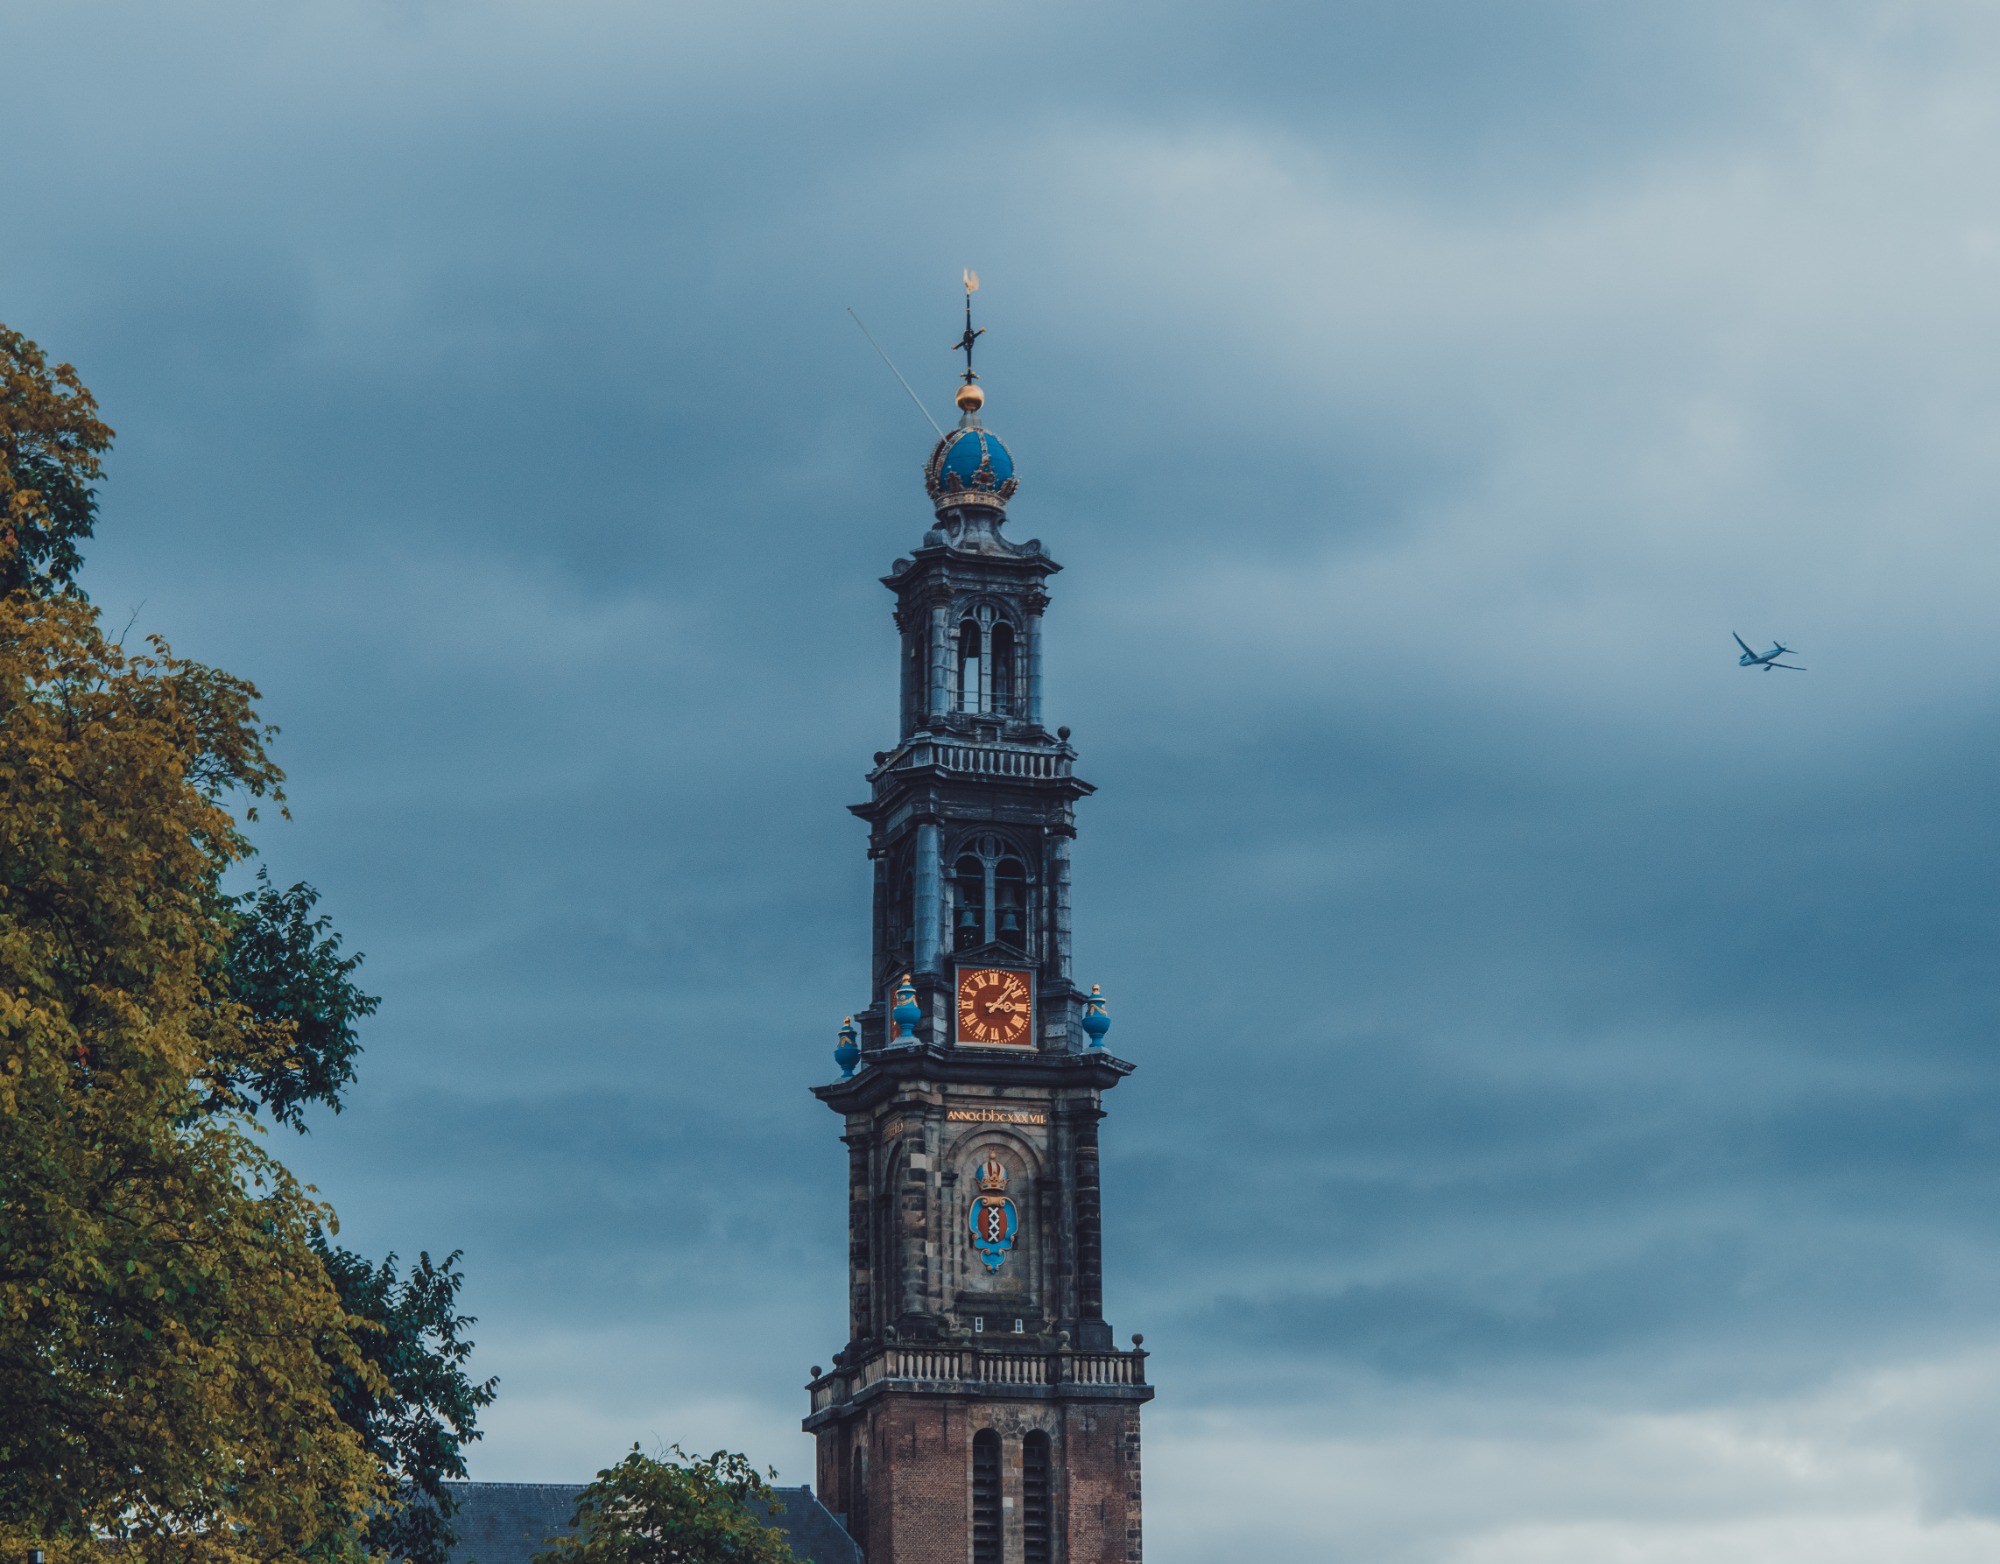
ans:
(1567, 1124)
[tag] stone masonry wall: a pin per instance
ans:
(917, 1455)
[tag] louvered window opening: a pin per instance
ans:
(1035, 1504)
(986, 1497)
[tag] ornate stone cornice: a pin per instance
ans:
(885, 1069)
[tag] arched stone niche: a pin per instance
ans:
(1015, 1290)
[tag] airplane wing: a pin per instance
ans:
(1742, 643)
(1795, 668)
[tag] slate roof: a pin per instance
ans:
(508, 1523)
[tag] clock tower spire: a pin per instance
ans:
(980, 1411)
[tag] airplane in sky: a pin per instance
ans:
(1765, 660)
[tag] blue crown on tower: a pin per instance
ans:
(970, 466)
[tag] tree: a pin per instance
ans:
(419, 1410)
(51, 440)
(169, 1335)
(285, 966)
(678, 1510)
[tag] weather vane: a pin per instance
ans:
(964, 343)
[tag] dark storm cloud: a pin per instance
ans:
(1530, 1005)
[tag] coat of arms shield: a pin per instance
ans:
(994, 1221)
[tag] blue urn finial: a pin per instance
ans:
(848, 1054)
(906, 1014)
(1095, 1021)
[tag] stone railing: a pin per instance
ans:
(1009, 1370)
(1117, 1368)
(970, 1366)
(914, 1363)
(987, 760)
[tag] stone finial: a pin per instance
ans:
(848, 1053)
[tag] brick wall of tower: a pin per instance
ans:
(917, 1457)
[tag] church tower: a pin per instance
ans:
(981, 1411)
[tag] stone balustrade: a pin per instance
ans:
(986, 760)
(973, 1367)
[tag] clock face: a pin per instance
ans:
(996, 1005)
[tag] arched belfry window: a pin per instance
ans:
(971, 696)
(991, 898)
(1000, 658)
(987, 655)
(1037, 1471)
(914, 704)
(968, 912)
(986, 1497)
(1010, 903)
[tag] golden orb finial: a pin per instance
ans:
(970, 398)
